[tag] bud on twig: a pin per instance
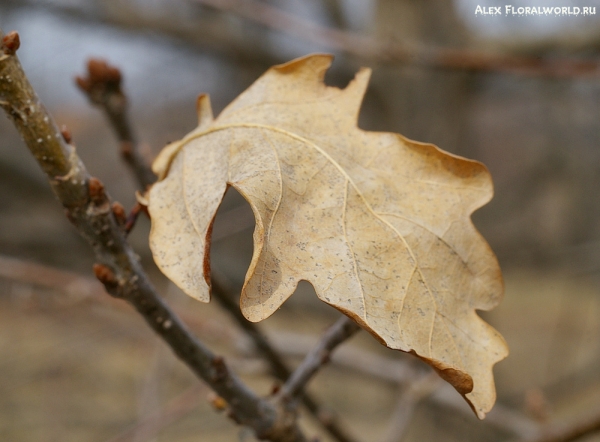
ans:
(11, 42)
(220, 371)
(101, 79)
(127, 150)
(119, 212)
(105, 275)
(66, 134)
(217, 402)
(96, 191)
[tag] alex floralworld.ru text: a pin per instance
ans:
(535, 10)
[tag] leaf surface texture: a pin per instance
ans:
(378, 224)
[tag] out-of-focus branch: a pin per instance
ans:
(212, 33)
(567, 432)
(410, 397)
(277, 365)
(102, 86)
(335, 13)
(174, 410)
(398, 371)
(339, 332)
(216, 34)
(288, 344)
(49, 277)
(372, 49)
(88, 208)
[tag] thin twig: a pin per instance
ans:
(369, 48)
(174, 410)
(398, 371)
(88, 208)
(410, 397)
(343, 329)
(102, 86)
(567, 432)
(103, 89)
(277, 366)
(49, 277)
(132, 218)
(289, 344)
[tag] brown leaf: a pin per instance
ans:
(378, 224)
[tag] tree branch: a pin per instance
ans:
(88, 208)
(277, 366)
(343, 329)
(369, 48)
(291, 345)
(174, 410)
(102, 86)
(568, 432)
(410, 397)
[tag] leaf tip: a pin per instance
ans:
(315, 64)
(204, 109)
(163, 160)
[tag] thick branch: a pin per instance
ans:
(393, 371)
(343, 329)
(103, 88)
(88, 208)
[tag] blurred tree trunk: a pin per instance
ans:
(422, 104)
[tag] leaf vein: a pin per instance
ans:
(340, 169)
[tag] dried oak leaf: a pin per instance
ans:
(378, 224)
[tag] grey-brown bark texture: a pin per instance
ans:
(89, 209)
(538, 135)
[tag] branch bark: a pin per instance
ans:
(277, 365)
(290, 345)
(343, 329)
(102, 86)
(88, 207)
(410, 397)
(174, 410)
(569, 432)
(369, 48)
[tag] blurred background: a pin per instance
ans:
(78, 366)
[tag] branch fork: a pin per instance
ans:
(89, 208)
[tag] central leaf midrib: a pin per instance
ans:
(342, 172)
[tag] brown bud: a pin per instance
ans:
(119, 212)
(218, 403)
(105, 275)
(127, 150)
(66, 134)
(101, 72)
(11, 42)
(70, 216)
(83, 83)
(220, 372)
(96, 190)
(275, 388)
